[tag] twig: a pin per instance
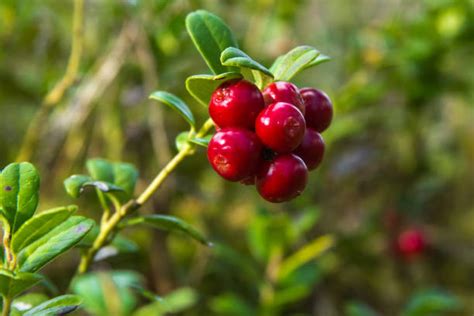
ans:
(55, 95)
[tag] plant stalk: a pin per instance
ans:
(108, 228)
(55, 95)
(7, 303)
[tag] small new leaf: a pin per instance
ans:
(60, 305)
(201, 141)
(169, 223)
(176, 104)
(318, 60)
(293, 62)
(201, 87)
(211, 36)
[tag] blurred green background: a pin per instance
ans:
(400, 151)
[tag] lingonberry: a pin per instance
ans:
(311, 149)
(234, 153)
(282, 91)
(318, 109)
(236, 103)
(280, 126)
(411, 243)
(282, 179)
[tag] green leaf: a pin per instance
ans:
(296, 60)
(201, 141)
(318, 60)
(169, 223)
(19, 186)
(201, 87)
(100, 169)
(76, 184)
(232, 56)
(211, 36)
(358, 309)
(181, 140)
(173, 303)
(60, 305)
(119, 176)
(431, 302)
(12, 284)
(26, 302)
(176, 104)
(57, 241)
(309, 252)
(39, 225)
(107, 293)
(125, 177)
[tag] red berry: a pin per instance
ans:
(236, 103)
(282, 91)
(318, 109)
(234, 153)
(281, 127)
(410, 243)
(282, 179)
(311, 149)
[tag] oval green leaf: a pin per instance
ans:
(293, 62)
(57, 241)
(181, 140)
(38, 226)
(251, 69)
(211, 36)
(12, 284)
(60, 305)
(168, 223)
(19, 186)
(201, 87)
(176, 104)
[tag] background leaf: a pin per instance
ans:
(175, 302)
(201, 87)
(39, 225)
(176, 104)
(211, 36)
(296, 60)
(108, 293)
(169, 223)
(56, 242)
(431, 302)
(26, 302)
(60, 305)
(19, 185)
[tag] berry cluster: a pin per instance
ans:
(270, 139)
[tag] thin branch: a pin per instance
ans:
(33, 133)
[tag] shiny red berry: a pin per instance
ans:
(311, 149)
(411, 243)
(282, 91)
(282, 179)
(319, 109)
(234, 153)
(280, 126)
(236, 103)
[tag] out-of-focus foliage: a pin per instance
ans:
(400, 153)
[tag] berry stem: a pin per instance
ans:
(109, 227)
